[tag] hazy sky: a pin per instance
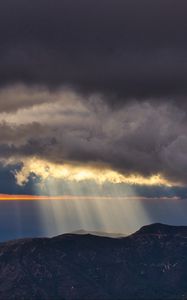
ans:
(93, 104)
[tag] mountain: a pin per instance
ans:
(149, 264)
(100, 233)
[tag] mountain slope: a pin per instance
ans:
(150, 264)
(100, 233)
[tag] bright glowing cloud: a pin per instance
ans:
(71, 172)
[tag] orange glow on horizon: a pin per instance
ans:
(4, 197)
(9, 197)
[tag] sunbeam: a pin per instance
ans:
(111, 213)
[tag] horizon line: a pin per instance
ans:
(30, 197)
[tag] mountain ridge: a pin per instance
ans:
(160, 228)
(149, 264)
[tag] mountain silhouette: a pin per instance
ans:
(149, 264)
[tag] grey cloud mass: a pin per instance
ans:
(140, 138)
(125, 49)
(95, 82)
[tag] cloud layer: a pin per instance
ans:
(140, 138)
(99, 84)
(132, 49)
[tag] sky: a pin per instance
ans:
(93, 115)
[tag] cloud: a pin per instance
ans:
(99, 174)
(16, 97)
(138, 140)
(132, 49)
(98, 84)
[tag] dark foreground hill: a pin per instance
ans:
(150, 264)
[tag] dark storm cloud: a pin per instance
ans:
(60, 61)
(130, 48)
(140, 138)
